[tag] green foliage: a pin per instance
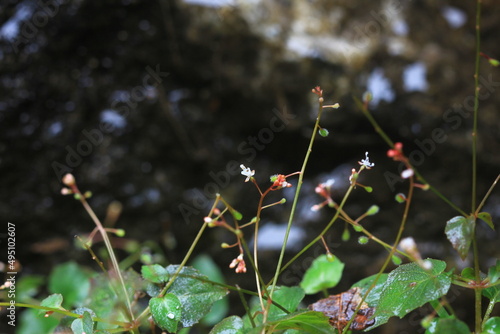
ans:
(229, 325)
(31, 318)
(287, 297)
(283, 317)
(492, 293)
(83, 325)
(180, 296)
(196, 293)
(492, 326)
(302, 322)
(154, 273)
(52, 301)
(374, 295)
(486, 217)
(207, 266)
(408, 287)
(69, 280)
(459, 231)
(323, 274)
(28, 286)
(494, 272)
(166, 311)
(446, 326)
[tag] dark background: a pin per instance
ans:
(221, 74)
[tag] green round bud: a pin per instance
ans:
(373, 210)
(396, 260)
(346, 235)
(363, 240)
(330, 257)
(400, 198)
(357, 228)
(323, 132)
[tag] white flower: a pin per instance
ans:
(408, 245)
(247, 172)
(407, 173)
(366, 162)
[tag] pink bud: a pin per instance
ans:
(68, 180)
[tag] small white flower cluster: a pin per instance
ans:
(366, 162)
(247, 172)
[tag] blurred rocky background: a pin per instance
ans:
(154, 104)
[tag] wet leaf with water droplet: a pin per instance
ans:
(459, 231)
(166, 311)
(408, 287)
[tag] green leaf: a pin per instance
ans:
(71, 281)
(53, 301)
(374, 295)
(207, 266)
(447, 326)
(30, 319)
(492, 326)
(154, 273)
(166, 311)
(230, 325)
(27, 287)
(322, 274)
(492, 293)
(409, 287)
(304, 322)
(459, 231)
(195, 292)
(288, 298)
(468, 273)
(486, 217)
(102, 299)
(494, 272)
(84, 325)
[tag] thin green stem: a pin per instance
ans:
(111, 252)
(438, 193)
(315, 240)
(477, 292)
(296, 198)
(255, 253)
(66, 313)
(489, 309)
(364, 109)
(476, 104)
(479, 207)
(393, 250)
(440, 310)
